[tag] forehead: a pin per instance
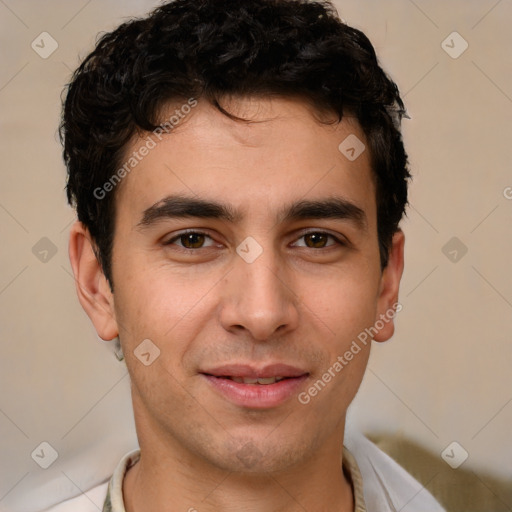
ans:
(281, 152)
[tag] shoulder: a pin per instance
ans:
(105, 497)
(386, 485)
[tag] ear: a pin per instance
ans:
(387, 305)
(92, 287)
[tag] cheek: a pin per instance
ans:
(345, 302)
(163, 305)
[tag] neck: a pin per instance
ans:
(168, 480)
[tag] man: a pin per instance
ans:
(239, 178)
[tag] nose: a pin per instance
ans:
(258, 297)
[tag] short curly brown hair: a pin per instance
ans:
(211, 49)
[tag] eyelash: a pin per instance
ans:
(189, 232)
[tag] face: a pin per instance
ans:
(247, 254)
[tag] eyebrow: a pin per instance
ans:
(179, 206)
(330, 208)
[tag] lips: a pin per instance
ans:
(255, 388)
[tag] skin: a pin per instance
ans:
(302, 302)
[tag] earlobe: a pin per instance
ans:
(92, 287)
(388, 305)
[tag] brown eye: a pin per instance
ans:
(192, 240)
(316, 240)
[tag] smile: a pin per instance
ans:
(252, 388)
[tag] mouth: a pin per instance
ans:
(254, 388)
(265, 381)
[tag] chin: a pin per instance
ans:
(264, 455)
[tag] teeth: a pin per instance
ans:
(268, 380)
(247, 380)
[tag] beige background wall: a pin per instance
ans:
(446, 376)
